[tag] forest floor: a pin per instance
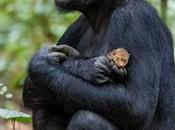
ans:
(8, 126)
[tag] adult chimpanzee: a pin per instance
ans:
(61, 93)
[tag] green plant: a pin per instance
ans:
(14, 116)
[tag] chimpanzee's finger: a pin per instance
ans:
(62, 48)
(58, 55)
(124, 71)
(68, 50)
(100, 77)
(52, 48)
(59, 48)
(102, 64)
(113, 66)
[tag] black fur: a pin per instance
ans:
(144, 102)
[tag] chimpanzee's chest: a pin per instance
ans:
(93, 44)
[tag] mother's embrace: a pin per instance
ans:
(60, 88)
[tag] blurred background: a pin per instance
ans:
(25, 25)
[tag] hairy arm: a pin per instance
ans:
(32, 96)
(97, 70)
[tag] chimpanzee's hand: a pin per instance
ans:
(45, 54)
(102, 70)
(107, 71)
(56, 57)
(118, 74)
(68, 51)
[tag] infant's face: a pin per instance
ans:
(120, 57)
(121, 61)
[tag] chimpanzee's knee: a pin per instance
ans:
(45, 120)
(86, 120)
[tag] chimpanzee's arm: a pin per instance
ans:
(95, 70)
(71, 37)
(98, 70)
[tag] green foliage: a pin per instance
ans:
(167, 12)
(24, 26)
(15, 115)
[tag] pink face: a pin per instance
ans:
(120, 56)
(121, 61)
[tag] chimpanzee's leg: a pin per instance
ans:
(45, 120)
(45, 117)
(86, 120)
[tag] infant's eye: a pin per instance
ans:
(123, 60)
(114, 53)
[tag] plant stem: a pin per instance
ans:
(19, 125)
(13, 124)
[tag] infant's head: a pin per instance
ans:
(120, 56)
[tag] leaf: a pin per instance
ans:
(15, 115)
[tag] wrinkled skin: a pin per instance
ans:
(62, 95)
